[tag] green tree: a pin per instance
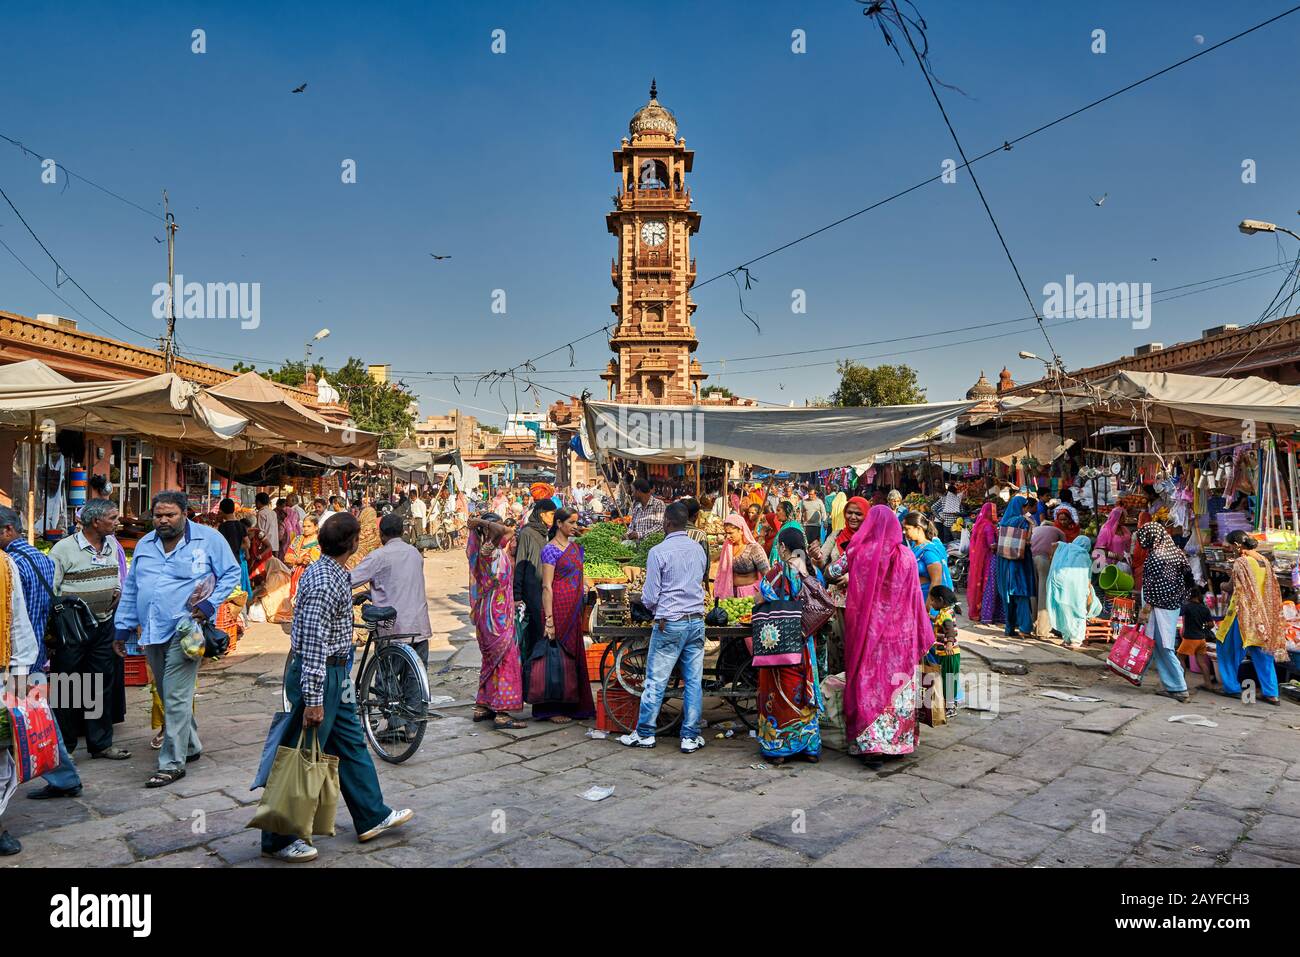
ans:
(721, 390)
(876, 385)
(382, 407)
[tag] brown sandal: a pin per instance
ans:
(559, 719)
(504, 722)
(483, 714)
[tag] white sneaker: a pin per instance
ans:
(297, 853)
(691, 745)
(394, 819)
(635, 740)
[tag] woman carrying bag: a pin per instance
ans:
(556, 681)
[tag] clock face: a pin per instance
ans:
(654, 233)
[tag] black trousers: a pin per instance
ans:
(85, 689)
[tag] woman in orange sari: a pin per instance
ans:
(302, 551)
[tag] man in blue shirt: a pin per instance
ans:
(36, 571)
(674, 593)
(180, 570)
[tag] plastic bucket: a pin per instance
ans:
(1115, 579)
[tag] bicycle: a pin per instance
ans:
(438, 538)
(391, 687)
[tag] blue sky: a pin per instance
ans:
(503, 162)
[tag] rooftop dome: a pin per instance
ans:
(653, 118)
(982, 389)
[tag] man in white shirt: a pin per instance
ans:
(297, 509)
(419, 510)
(267, 523)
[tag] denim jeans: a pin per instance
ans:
(675, 640)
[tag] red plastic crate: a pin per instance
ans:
(621, 705)
(137, 672)
(594, 653)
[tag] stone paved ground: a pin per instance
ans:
(1043, 782)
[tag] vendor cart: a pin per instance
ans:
(731, 676)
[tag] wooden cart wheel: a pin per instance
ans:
(610, 683)
(630, 670)
(743, 694)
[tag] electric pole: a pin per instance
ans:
(169, 343)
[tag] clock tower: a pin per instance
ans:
(653, 272)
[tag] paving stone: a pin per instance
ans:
(883, 847)
(1011, 735)
(1010, 838)
(177, 835)
(958, 765)
(818, 830)
(1122, 822)
(1190, 829)
(1156, 856)
(718, 822)
(653, 850)
(1243, 857)
(1061, 804)
(1053, 755)
(191, 857)
(749, 853)
(949, 816)
(995, 782)
(37, 852)
(965, 857)
(1242, 782)
(1285, 800)
(1172, 786)
(1082, 848)
(1120, 755)
(1104, 720)
(238, 847)
(119, 825)
(1275, 836)
(544, 852)
(1184, 763)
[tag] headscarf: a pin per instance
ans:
(783, 573)
(1070, 600)
(541, 490)
(1014, 516)
(845, 536)
(472, 547)
(791, 524)
(886, 627)
(1165, 569)
(839, 501)
(1258, 615)
(983, 538)
(1112, 538)
(723, 585)
(1016, 578)
(1066, 523)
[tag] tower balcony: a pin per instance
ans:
(666, 198)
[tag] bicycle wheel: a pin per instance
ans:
(391, 706)
(743, 695)
(630, 671)
(442, 541)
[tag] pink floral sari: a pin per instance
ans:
(887, 633)
(492, 609)
(983, 539)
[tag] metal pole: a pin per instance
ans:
(169, 345)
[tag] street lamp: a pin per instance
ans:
(306, 364)
(1055, 369)
(1252, 226)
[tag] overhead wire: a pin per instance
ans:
(89, 182)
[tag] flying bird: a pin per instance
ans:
(1098, 202)
(1006, 145)
(299, 89)
(436, 256)
(157, 240)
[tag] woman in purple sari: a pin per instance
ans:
(492, 609)
(562, 601)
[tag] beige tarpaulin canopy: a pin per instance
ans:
(1227, 406)
(1043, 446)
(795, 440)
(278, 414)
(163, 406)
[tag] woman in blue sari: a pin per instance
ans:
(1017, 582)
(1070, 598)
(789, 696)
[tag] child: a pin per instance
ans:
(942, 603)
(1198, 627)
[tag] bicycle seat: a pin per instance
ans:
(375, 614)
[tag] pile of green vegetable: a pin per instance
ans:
(603, 570)
(736, 608)
(603, 545)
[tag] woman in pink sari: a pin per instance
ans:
(1114, 540)
(983, 546)
(887, 633)
(741, 563)
(492, 609)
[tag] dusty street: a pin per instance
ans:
(1042, 781)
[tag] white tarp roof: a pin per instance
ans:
(795, 440)
(163, 406)
(1227, 406)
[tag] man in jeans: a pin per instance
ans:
(674, 594)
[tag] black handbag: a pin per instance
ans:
(777, 633)
(550, 675)
(215, 641)
(71, 623)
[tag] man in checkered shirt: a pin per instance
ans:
(318, 686)
(647, 511)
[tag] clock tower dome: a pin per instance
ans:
(653, 272)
